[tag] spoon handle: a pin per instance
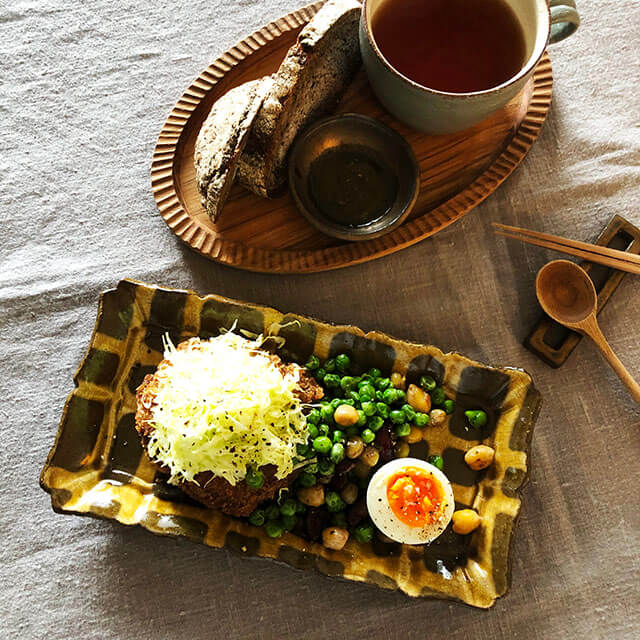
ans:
(592, 329)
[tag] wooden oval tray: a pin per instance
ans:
(458, 171)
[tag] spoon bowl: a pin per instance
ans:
(566, 292)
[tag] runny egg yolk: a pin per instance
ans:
(415, 497)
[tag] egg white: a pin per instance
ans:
(386, 520)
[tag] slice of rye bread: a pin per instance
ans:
(221, 140)
(310, 81)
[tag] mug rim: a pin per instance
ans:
(533, 60)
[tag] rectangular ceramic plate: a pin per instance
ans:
(97, 467)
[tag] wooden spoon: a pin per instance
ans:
(567, 294)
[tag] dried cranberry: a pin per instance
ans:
(357, 512)
(316, 521)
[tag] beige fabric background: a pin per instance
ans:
(84, 90)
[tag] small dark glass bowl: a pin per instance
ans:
(386, 146)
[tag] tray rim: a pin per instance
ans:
(533, 392)
(282, 261)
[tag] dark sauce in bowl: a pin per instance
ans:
(349, 184)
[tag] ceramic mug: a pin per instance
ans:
(439, 112)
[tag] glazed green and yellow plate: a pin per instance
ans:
(97, 467)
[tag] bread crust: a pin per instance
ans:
(221, 140)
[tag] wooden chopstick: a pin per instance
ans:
(591, 256)
(586, 246)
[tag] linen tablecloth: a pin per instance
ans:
(84, 90)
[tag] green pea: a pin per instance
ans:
(326, 413)
(312, 363)
(255, 477)
(353, 395)
(428, 383)
(402, 430)
(375, 423)
(288, 522)
(449, 406)
(343, 362)
(335, 403)
(274, 529)
(330, 365)
(332, 380)
(313, 431)
(368, 436)
(369, 408)
(301, 450)
(401, 396)
(311, 468)
(347, 383)
(374, 372)
(389, 396)
(323, 429)
(421, 419)
(409, 412)
(352, 430)
(320, 374)
(367, 390)
(288, 507)
(382, 383)
(476, 418)
(322, 444)
(437, 461)
(334, 502)
(338, 436)
(307, 480)
(272, 512)
(363, 533)
(300, 508)
(339, 519)
(437, 396)
(313, 417)
(337, 452)
(326, 467)
(257, 518)
(382, 409)
(362, 418)
(379, 395)
(365, 378)
(397, 416)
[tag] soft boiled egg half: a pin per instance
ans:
(410, 500)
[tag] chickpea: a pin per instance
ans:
(345, 415)
(355, 446)
(398, 380)
(465, 521)
(349, 493)
(370, 456)
(361, 470)
(402, 450)
(437, 417)
(334, 538)
(415, 435)
(419, 399)
(312, 496)
(479, 457)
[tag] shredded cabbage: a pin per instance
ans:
(223, 406)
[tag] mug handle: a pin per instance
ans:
(565, 19)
